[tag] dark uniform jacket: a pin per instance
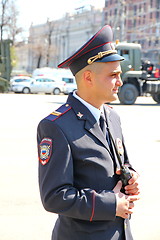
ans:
(77, 174)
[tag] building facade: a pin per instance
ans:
(53, 42)
(132, 21)
(136, 21)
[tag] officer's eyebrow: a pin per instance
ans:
(116, 71)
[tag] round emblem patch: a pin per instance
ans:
(45, 150)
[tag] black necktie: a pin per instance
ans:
(103, 126)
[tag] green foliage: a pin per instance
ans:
(13, 56)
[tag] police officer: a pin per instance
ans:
(78, 168)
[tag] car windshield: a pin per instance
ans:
(68, 80)
(22, 80)
(44, 80)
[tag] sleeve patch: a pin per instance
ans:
(45, 150)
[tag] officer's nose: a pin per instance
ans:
(119, 82)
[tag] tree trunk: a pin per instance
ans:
(39, 61)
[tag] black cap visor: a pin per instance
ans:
(111, 58)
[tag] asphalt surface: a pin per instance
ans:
(22, 216)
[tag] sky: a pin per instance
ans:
(37, 11)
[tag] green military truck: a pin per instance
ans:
(5, 65)
(137, 81)
(4, 85)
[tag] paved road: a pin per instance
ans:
(22, 216)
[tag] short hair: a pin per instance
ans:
(94, 67)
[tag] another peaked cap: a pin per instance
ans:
(99, 48)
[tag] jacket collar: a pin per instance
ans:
(111, 125)
(90, 123)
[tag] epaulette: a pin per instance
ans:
(59, 112)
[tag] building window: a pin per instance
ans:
(151, 15)
(115, 11)
(149, 43)
(158, 4)
(139, 21)
(142, 42)
(106, 3)
(135, 10)
(106, 15)
(151, 3)
(156, 41)
(144, 19)
(157, 15)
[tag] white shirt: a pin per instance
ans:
(95, 111)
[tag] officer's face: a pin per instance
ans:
(106, 80)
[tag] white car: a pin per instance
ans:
(59, 74)
(70, 84)
(40, 84)
(20, 84)
(20, 78)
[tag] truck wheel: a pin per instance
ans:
(56, 91)
(156, 97)
(26, 90)
(128, 94)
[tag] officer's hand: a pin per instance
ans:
(134, 187)
(125, 203)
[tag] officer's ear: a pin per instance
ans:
(87, 76)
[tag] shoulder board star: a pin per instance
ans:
(80, 115)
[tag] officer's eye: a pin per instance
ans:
(114, 75)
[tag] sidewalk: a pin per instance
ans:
(22, 216)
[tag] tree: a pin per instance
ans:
(40, 44)
(8, 20)
(50, 28)
(12, 26)
(4, 16)
(37, 50)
